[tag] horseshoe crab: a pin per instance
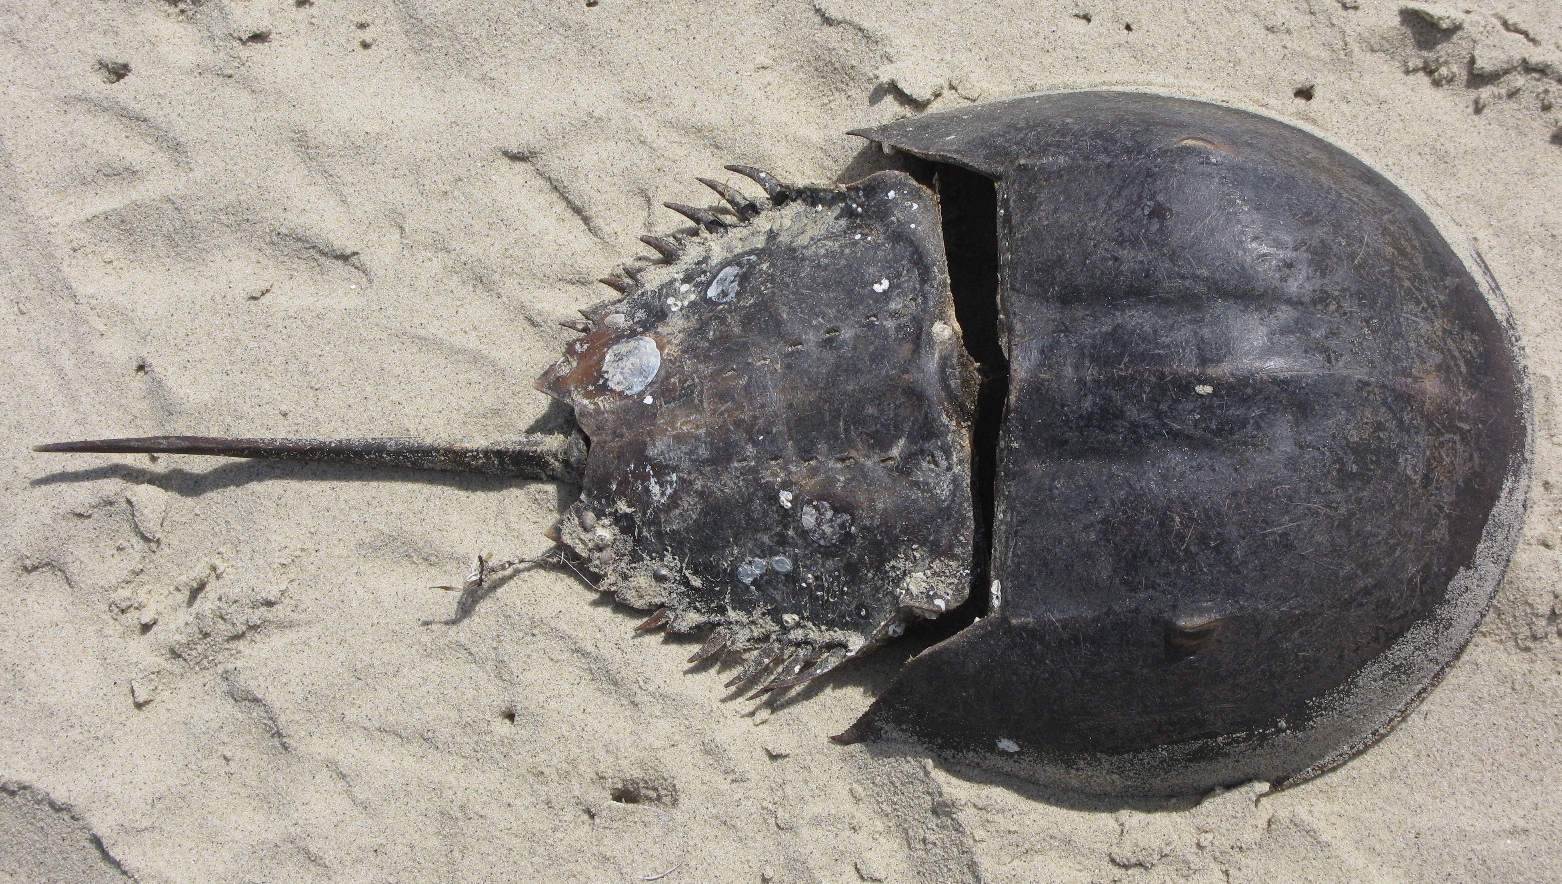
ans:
(1240, 472)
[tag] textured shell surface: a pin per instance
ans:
(778, 422)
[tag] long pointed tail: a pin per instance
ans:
(557, 457)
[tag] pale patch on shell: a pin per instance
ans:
(631, 365)
(724, 288)
(661, 491)
(823, 524)
(750, 570)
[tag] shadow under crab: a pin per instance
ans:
(1237, 479)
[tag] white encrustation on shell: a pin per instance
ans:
(751, 569)
(662, 490)
(823, 524)
(631, 365)
(725, 286)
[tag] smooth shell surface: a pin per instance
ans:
(1262, 462)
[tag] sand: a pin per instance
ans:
(284, 217)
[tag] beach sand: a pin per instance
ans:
(334, 218)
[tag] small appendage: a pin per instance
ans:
(477, 581)
(655, 621)
(847, 737)
(827, 663)
(701, 217)
(778, 192)
(712, 647)
(745, 208)
(757, 664)
(790, 672)
(667, 250)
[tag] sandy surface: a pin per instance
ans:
(284, 217)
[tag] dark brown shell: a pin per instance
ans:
(1263, 459)
(779, 448)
